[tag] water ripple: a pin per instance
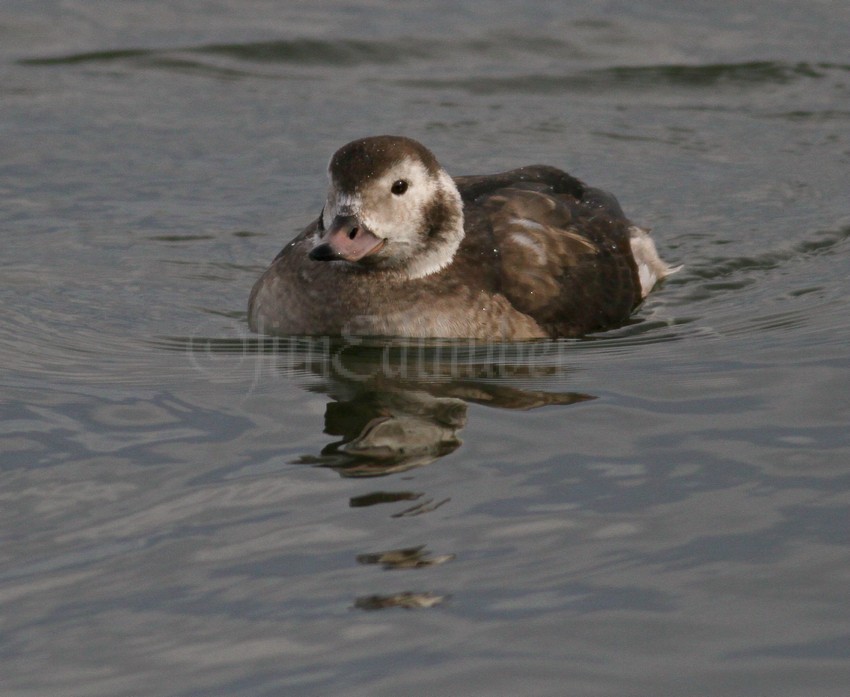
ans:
(393, 53)
(648, 77)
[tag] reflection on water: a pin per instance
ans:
(397, 405)
(409, 558)
(408, 601)
(389, 431)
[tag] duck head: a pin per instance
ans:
(390, 205)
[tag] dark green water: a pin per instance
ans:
(187, 509)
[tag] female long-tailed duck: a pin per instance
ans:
(403, 249)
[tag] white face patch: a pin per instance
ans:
(401, 218)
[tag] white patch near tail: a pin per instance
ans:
(651, 268)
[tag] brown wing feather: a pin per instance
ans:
(540, 177)
(564, 248)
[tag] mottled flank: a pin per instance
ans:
(529, 253)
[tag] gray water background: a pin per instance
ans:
(187, 510)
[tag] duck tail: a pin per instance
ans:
(651, 268)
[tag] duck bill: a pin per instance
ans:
(347, 239)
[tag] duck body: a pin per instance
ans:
(403, 249)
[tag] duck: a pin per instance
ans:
(403, 249)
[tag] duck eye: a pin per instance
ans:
(399, 187)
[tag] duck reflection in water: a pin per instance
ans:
(386, 431)
(395, 408)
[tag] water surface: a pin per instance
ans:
(188, 509)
